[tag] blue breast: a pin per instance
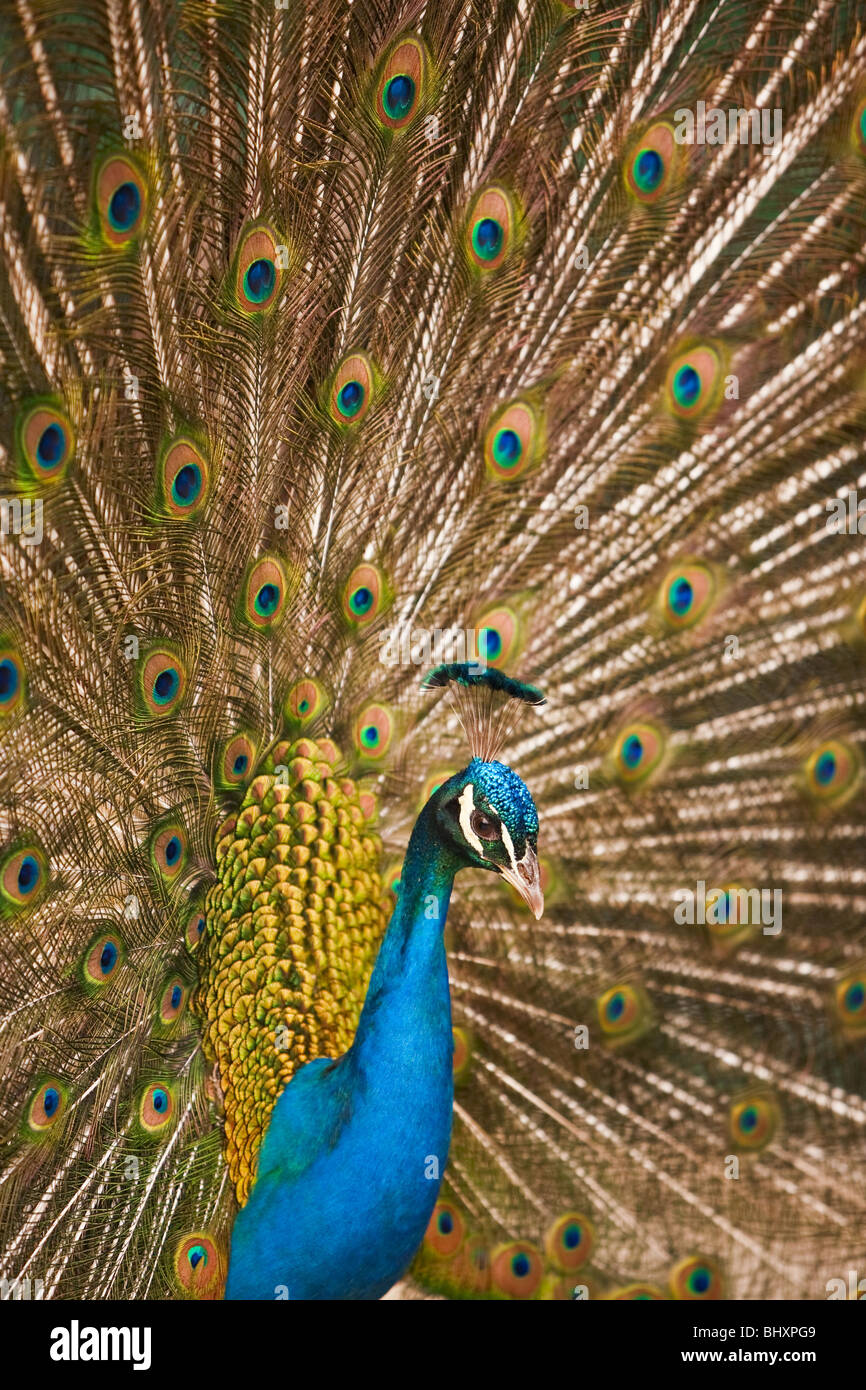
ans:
(352, 1160)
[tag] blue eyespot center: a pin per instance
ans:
(370, 736)
(615, 1007)
(197, 1255)
(172, 851)
(124, 207)
(681, 595)
(187, 484)
(9, 680)
(159, 1100)
(749, 1120)
(700, 1280)
(303, 706)
(572, 1236)
(50, 1101)
(51, 446)
(166, 685)
(28, 874)
(362, 600)
(350, 398)
(176, 996)
(825, 768)
(632, 751)
(687, 385)
(487, 238)
(520, 1265)
(240, 764)
(108, 958)
(259, 280)
(399, 96)
(199, 926)
(445, 1223)
(507, 448)
(489, 643)
(648, 170)
(855, 996)
(267, 599)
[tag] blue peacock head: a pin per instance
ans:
(486, 811)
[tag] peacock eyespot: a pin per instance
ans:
(305, 702)
(753, 1121)
(696, 1278)
(46, 441)
(512, 440)
(624, 1013)
(185, 479)
(832, 773)
(11, 682)
(265, 594)
(499, 634)
(101, 959)
(687, 594)
(516, 1270)
(491, 228)
(172, 1001)
(194, 930)
(652, 164)
(258, 270)
(169, 852)
(849, 1001)
(638, 753)
(569, 1241)
(398, 94)
(156, 1108)
(237, 758)
(445, 1231)
(23, 876)
(163, 682)
(46, 1107)
(352, 390)
(121, 200)
(694, 382)
(198, 1266)
(365, 595)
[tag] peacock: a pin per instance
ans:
(431, 442)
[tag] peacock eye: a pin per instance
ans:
(485, 827)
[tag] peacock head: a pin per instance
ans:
(489, 818)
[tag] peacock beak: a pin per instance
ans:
(526, 878)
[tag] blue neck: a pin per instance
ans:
(354, 1153)
(408, 991)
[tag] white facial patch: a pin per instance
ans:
(509, 844)
(466, 801)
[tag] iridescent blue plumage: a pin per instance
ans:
(353, 1157)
